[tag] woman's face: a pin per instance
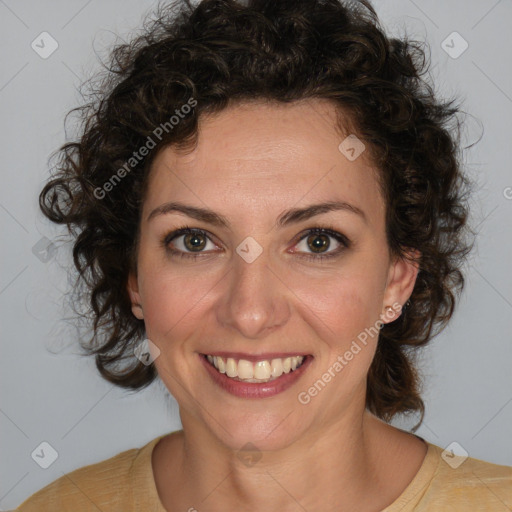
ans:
(251, 285)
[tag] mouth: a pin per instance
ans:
(255, 376)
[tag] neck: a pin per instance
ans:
(342, 465)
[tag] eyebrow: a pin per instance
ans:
(287, 218)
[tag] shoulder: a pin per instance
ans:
(466, 483)
(105, 485)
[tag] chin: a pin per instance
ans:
(263, 434)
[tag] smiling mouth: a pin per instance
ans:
(262, 371)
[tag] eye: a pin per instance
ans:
(318, 241)
(192, 243)
(188, 242)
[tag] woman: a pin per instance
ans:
(270, 217)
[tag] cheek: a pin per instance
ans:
(341, 305)
(173, 315)
(171, 302)
(340, 313)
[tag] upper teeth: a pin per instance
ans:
(261, 371)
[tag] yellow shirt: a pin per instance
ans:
(125, 483)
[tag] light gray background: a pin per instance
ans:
(51, 394)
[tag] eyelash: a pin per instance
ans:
(327, 230)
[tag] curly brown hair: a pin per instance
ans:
(220, 52)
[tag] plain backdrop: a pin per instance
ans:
(50, 394)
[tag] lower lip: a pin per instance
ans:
(255, 389)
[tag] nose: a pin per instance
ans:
(255, 301)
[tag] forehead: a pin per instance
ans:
(264, 157)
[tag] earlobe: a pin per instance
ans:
(401, 280)
(133, 291)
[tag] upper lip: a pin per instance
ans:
(268, 356)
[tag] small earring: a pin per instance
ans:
(390, 313)
(386, 314)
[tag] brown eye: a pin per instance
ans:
(194, 241)
(318, 243)
(187, 242)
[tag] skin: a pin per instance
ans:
(253, 161)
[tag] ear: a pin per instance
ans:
(132, 287)
(400, 284)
